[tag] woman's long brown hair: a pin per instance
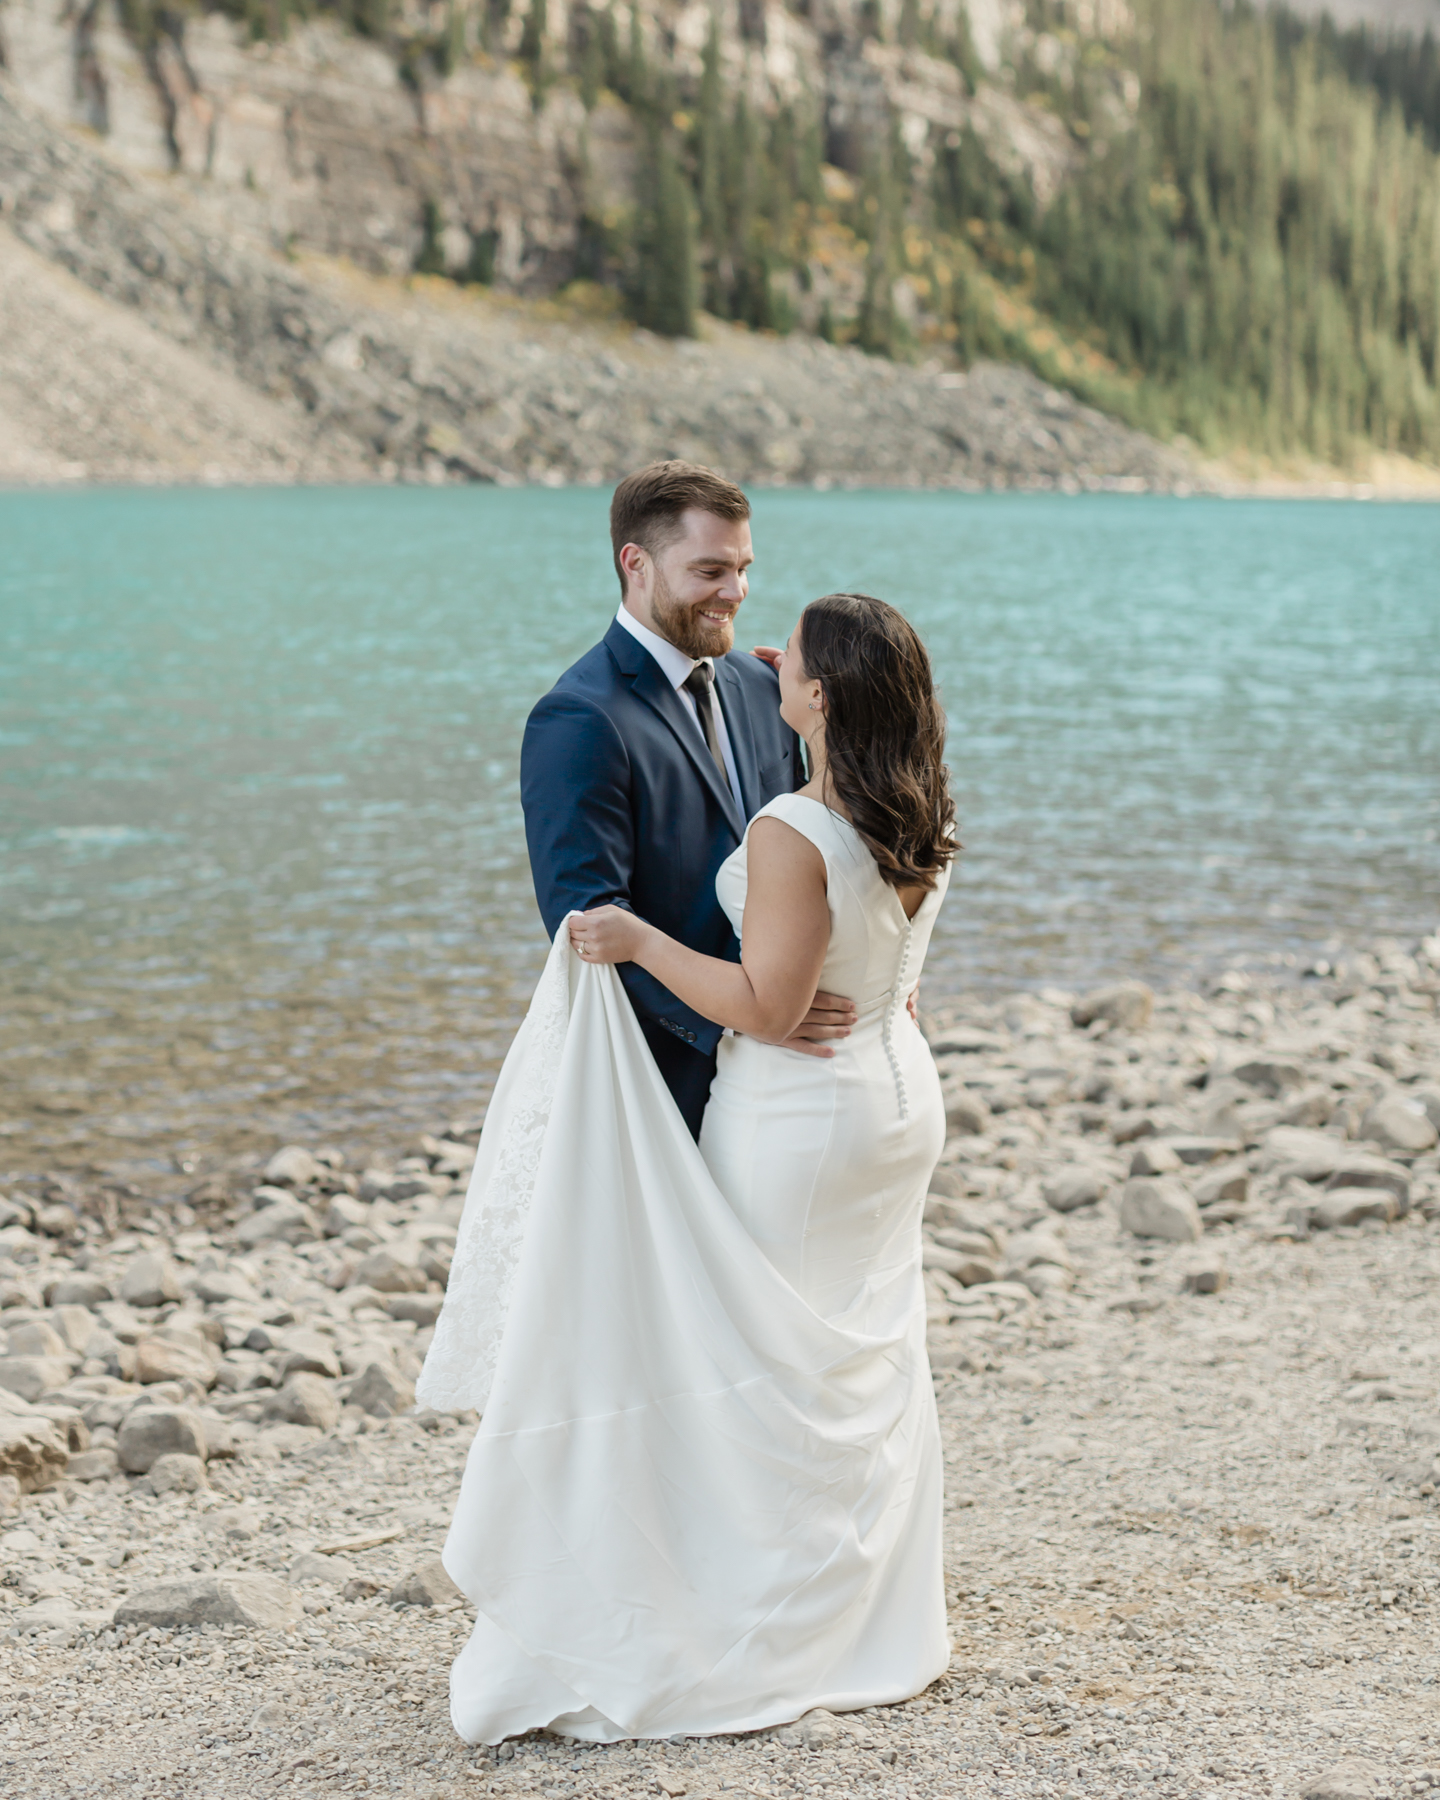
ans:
(884, 733)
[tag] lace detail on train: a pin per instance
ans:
(460, 1364)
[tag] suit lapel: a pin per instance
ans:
(742, 733)
(649, 684)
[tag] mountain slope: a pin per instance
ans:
(1210, 222)
(148, 346)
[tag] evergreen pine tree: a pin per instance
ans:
(534, 50)
(663, 280)
(431, 259)
(710, 172)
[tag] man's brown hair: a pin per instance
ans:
(646, 507)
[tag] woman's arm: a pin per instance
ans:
(783, 945)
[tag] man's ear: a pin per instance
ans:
(632, 561)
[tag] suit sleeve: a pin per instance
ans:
(580, 832)
(575, 789)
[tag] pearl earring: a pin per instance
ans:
(814, 706)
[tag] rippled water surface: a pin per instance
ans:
(261, 862)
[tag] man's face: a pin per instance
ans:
(691, 592)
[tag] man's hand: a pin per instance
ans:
(830, 1016)
(912, 1005)
(767, 654)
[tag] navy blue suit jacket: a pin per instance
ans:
(624, 805)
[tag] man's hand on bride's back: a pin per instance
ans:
(608, 934)
(830, 1016)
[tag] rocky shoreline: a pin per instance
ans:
(1182, 1255)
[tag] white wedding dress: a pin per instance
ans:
(705, 1493)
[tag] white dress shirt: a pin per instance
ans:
(676, 667)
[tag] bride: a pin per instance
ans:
(705, 1493)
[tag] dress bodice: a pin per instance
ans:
(875, 953)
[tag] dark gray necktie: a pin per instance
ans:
(698, 684)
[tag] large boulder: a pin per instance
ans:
(1154, 1156)
(1352, 1779)
(149, 1432)
(454, 1160)
(305, 1399)
(345, 1213)
(965, 1112)
(425, 1585)
(292, 1167)
(1225, 1181)
(216, 1287)
(1269, 1075)
(965, 1266)
(389, 1273)
(32, 1376)
(307, 1352)
(36, 1338)
(77, 1327)
(1128, 1006)
(420, 1309)
(1160, 1209)
(33, 1451)
(70, 1420)
(1201, 1151)
(1400, 1124)
(175, 1473)
(174, 1356)
(150, 1280)
(1360, 1171)
(1352, 1205)
(1310, 1155)
(1073, 1188)
(285, 1220)
(1311, 1106)
(93, 1465)
(1041, 1245)
(259, 1601)
(380, 1391)
(77, 1290)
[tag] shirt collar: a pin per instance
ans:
(675, 665)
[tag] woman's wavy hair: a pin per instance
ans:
(884, 733)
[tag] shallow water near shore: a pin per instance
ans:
(262, 869)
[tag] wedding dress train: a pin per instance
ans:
(705, 1492)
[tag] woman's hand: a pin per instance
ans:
(609, 934)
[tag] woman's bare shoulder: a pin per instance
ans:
(776, 845)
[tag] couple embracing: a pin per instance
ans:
(705, 1493)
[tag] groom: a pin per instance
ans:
(642, 765)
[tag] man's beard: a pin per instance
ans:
(684, 626)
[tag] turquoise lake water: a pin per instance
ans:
(261, 860)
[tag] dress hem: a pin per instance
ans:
(766, 1721)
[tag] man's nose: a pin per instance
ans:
(734, 587)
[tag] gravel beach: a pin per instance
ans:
(1183, 1262)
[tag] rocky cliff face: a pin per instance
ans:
(329, 141)
(251, 366)
(320, 140)
(246, 215)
